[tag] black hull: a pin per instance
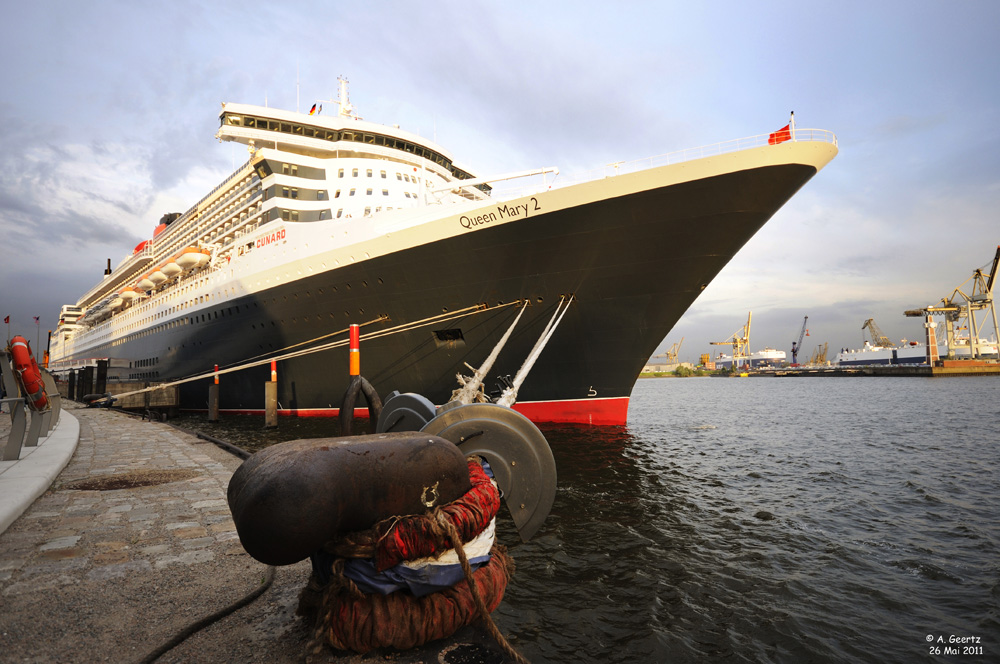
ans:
(633, 263)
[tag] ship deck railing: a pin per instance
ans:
(690, 154)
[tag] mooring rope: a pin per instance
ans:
(403, 327)
(484, 613)
(470, 386)
(510, 394)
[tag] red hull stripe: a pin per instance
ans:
(576, 411)
(602, 412)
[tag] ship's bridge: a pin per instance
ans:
(334, 136)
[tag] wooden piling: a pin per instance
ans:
(213, 398)
(271, 398)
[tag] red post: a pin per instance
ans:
(274, 371)
(216, 374)
(355, 350)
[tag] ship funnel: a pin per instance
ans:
(107, 270)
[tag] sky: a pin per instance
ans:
(108, 112)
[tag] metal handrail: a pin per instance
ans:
(689, 154)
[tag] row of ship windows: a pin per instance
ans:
(320, 194)
(402, 177)
(319, 215)
(224, 312)
(144, 375)
(201, 299)
(187, 320)
(368, 192)
(347, 135)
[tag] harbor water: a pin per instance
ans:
(752, 520)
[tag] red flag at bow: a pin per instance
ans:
(6, 319)
(780, 136)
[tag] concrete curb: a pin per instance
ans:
(24, 480)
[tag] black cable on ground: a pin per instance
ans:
(229, 447)
(199, 625)
(195, 627)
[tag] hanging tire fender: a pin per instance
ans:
(517, 451)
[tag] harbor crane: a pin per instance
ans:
(879, 340)
(672, 352)
(960, 306)
(796, 347)
(740, 341)
(819, 355)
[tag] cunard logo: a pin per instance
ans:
(271, 239)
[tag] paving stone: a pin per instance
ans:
(189, 533)
(119, 570)
(186, 558)
(198, 543)
(60, 543)
(219, 502)
(182, 524)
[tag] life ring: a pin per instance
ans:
(27, 371)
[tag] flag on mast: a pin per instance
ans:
(780, 136)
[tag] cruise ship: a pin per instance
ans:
(335, 220)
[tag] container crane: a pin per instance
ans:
(740, 341)
(796, 346)
(672, 352)
(959, 306)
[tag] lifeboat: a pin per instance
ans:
(192, 257)
(145, 283)
(128, 294)
(171, 268)
(117, 301)
(157, 276)
(188, 258)
(139, 247)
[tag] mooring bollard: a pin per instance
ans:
(213, 398)
(271, 398)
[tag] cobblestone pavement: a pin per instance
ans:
(102, 568)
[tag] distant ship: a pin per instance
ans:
(911, 352)
(334, 220)
(908, 352)
(768, 357)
